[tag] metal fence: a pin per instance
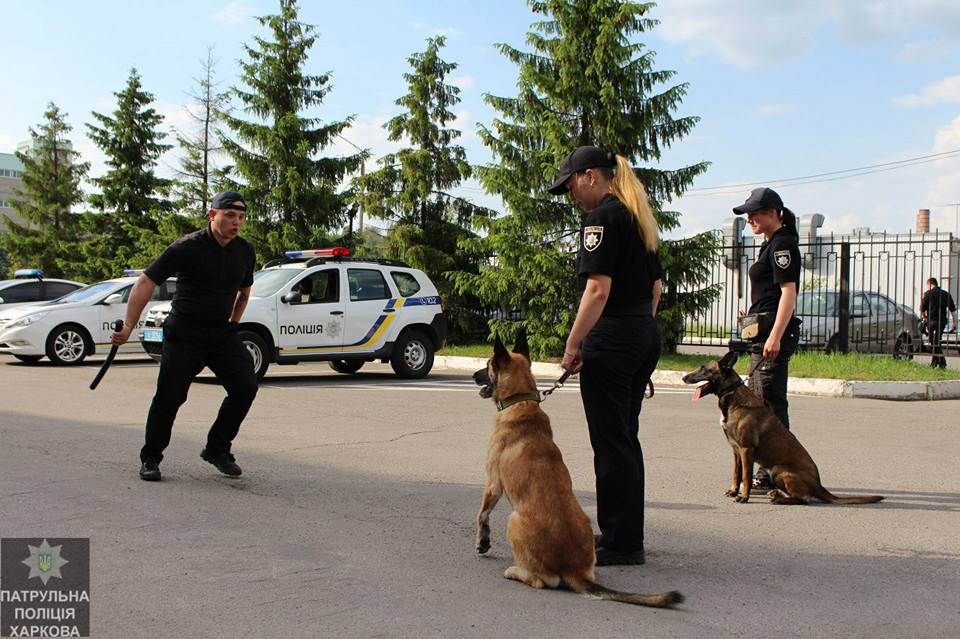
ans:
(857, 292)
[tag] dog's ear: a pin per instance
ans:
(500, 354)
(728, 360)
(520, 345)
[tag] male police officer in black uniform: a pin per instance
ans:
(214, 269)
(933, 308)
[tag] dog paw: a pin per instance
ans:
(742, 499)
(732, 492)
(483, 546)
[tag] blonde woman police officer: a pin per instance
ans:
(614, 343)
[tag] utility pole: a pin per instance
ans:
(363, 168)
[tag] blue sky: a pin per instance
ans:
(783, 89)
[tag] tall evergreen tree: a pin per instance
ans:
(412, 188)
(51, 180)
(291, 193)
(197, 179)
(587, 81)
(132, 196)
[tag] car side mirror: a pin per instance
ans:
(293, 297)
(1, 300)
(116, 298)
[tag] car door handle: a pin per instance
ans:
(336, 312)
(389, 310)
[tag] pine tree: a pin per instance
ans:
(197, 178)
(412, 188)
(51, 187)
(132, 197)
(291, 193)
(587, 81)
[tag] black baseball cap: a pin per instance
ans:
(581, 159)
(760, 198)
(227, 200)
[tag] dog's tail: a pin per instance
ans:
(663, 600)
(825, 495)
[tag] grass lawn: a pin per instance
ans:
(808, 364)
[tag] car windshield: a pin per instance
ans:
(817, 304)
(86, 293)
(268, 282)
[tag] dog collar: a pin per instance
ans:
(729, 389)
(516, 399)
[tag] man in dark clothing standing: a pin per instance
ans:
(933, 308)
(214, 269)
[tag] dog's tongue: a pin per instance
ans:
(698, 392)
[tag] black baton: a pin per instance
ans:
(118, 325)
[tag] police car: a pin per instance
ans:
(322, 305)
(70, 328)
(28, 286)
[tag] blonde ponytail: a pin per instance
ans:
(630, 191)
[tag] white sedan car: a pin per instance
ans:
(76, 325)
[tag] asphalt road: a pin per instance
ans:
(355, 514)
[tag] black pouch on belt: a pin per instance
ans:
(755, 327)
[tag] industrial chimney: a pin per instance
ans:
(923, 221)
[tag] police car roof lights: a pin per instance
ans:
(25, 273)
(336, 251)
(132, 272)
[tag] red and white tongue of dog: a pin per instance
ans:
(698, 392)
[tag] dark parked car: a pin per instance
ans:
(877, 323)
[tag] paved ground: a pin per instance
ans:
(354, 517)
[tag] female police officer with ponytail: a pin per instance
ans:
(614, 343)
(774, 280)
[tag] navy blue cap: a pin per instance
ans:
(581, 159)
(760, 198)
(227, 200)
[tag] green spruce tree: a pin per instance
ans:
(291, 193)
(590, 81)
(412, 188)
(132, 197)
(51, 180)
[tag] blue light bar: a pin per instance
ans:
(131, 272)
(27, 272)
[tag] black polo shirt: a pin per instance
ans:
(777, 263)
(610, 244)
(208, 276)
(935, 303)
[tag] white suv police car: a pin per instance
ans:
(321, 305)
(76, 325)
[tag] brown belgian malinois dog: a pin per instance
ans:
(551, 536)
(756, 435)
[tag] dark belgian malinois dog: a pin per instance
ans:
(756, 435)
(551, 536)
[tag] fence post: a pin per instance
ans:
(844, 300)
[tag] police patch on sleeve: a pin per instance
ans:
(592, 236)
(782, 258)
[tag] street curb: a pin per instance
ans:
(897, 391)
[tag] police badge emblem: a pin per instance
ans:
(592, 236)
(782, 258)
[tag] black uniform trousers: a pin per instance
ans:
(935, 333)
(619, 355)
(182, 359)
(769, 379)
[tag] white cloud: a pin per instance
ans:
(233, 13)
(760, 33)
(447, 32)
(926, 50)
(772, 109)
(463, 82)
(946, 90)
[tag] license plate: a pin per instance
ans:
(153, 334)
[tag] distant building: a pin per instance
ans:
(10, 171)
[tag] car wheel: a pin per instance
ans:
(412, 356)
(29, 359)
(258, 352)
(346, 366)
(903, 348)
(833, 345)
(67, 345)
